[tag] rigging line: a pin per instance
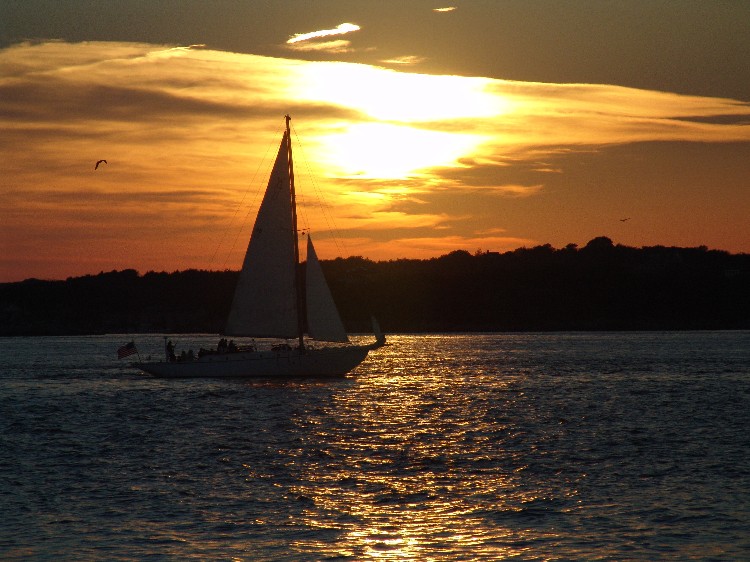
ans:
(245, 220)
(302, 203)
(328, 217)
(237, 209)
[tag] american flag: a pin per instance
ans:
(126, 350)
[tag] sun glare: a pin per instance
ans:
(387, 151)
(399, 96)
(409, 108)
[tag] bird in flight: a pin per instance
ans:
(623, 220)
(99, 162)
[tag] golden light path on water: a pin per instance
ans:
(536, 446)
(414, 473)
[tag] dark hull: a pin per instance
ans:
(330, 361)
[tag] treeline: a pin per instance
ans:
(601, 286)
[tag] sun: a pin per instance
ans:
(388, 95)
(409, 122)
(390, 151)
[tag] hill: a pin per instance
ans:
(601, 286)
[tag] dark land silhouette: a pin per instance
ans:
(601, 286)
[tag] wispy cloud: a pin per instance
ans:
(340, 29)
(419, 247)
(511, 190)
(443, 10)
(186, 129)
(406, 60)
(337, 46)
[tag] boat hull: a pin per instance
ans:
(332, 361)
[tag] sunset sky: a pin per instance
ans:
(419, 127)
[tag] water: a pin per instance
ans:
(572, 446)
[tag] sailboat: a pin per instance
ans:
(269, 298)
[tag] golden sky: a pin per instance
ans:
(392, 160)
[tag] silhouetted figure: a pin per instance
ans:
(99, 162)
(170, 351)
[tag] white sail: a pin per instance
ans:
(265, 300)
(323, 320)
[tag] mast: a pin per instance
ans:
(297, 279)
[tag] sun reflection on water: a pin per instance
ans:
(569, 446)
(413, 473)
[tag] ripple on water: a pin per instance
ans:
(465, 447)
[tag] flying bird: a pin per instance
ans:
(99, 162)
(623, 220)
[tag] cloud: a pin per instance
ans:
(340, 29)
(430, 246)
(512, 190)
(338, 46)
(572, 115)
(419, 247)
(444, 10)
(406, 60)
(186, 130)
(310, 42)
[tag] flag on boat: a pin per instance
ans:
(126, 350)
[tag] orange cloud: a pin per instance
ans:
(338, 46)
(189, 135)
(406, 60)
(419, 247)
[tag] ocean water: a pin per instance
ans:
(564, 446)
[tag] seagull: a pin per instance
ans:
(623, 220)
(99, 162)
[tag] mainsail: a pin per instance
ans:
(265, 300)
(323, 320)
